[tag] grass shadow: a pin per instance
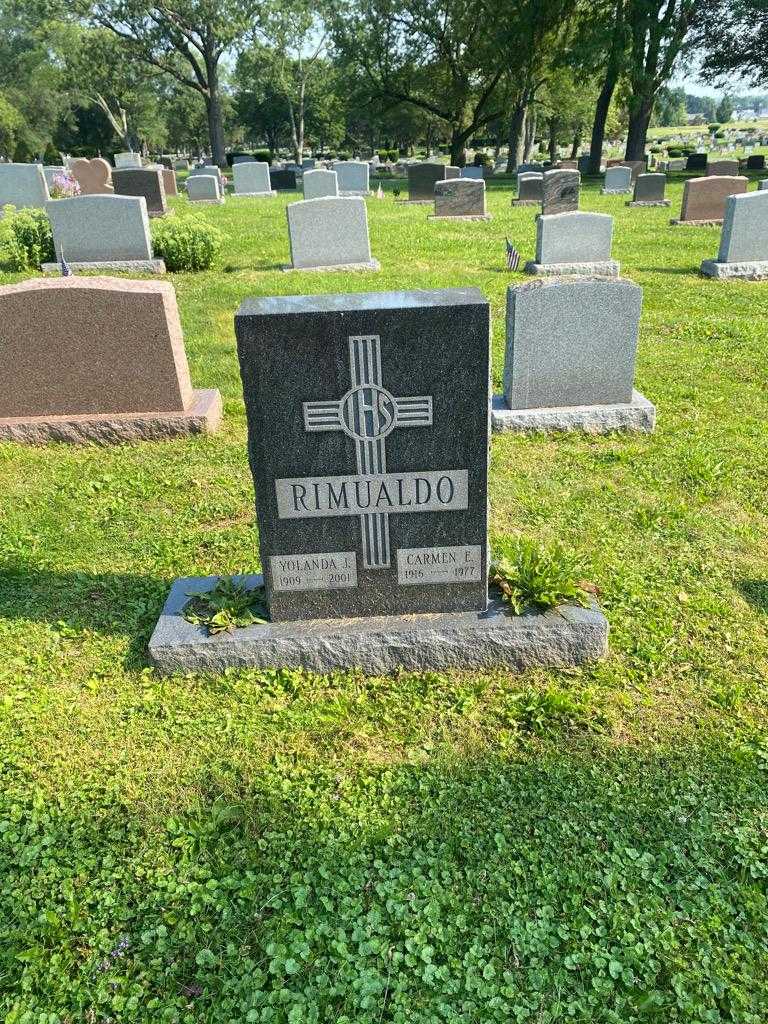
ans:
(111, 604)
(755, 592)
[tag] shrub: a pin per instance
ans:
(23, 154)
(186, 242)
(657, 149)
(482, 160)
(26, 239)
(674, 152)
(383, 155)
(530, 576)
(263, 156)
(712, 128)
(719, 135)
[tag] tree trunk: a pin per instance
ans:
(530, 135)
(215, 119)
(553, 139)
(598, 125)
(516, 137)
(576, 144)
(458, 148)
(639, 120)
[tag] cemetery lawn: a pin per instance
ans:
(587, 846)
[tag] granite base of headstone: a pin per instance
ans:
(743, 252)
(98, 361)
(573, 244)
(570, 358)
(368, 441)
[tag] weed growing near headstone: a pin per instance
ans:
(531, 576)
(229, 605)
(186, 243)
(26, 239)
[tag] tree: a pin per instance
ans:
(659, 32)
(186, 39)
(669, 110)
(724, 111)
(10, 123)
(440, 59)
(735, 39)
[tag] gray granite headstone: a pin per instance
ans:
(142, 182)
(353, 177)
(522, 168)
(95, 229)
(330, 232)
(208, 170)
(204, 188)
(574, 238)
(181, 165)
(530, 187)
(370, 464)
(126, 160)
(308, 164)
(452, 172)
(618, 180)
(319, 184)
(460, 197)
(282, 180)
(251, 178)
(745, 228)
(571, 342)
(560, 191)
(472, 172)
(23, 185)
(650, 188)
(762, 185)
(421, 181)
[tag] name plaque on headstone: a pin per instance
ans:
(368, 443)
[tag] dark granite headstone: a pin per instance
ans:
(756, 162)
(560, 192)
(282, 180)
(584, 163)
(696, 162)
(530, 186)
(142, 182)
(649, 188)
(461, 197)
(421, 181)
(368, 422)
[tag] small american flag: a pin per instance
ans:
(66, 270)
(513, 256)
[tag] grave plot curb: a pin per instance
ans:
(458, 216)
(637, 416)
(567, 636)
(372, 265)
(677, 223)
(601, 268)
(650, 202)
(134, 266)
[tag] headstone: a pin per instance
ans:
(329, 233)
(460, 197)
(421, 181)
(704, 198)
(756, 162)
(522, 168)
(127, 160)
(308, 164)
(251, 178)
(452, 172)
(696, 162)
(282, 180)
(720, 167)
(181, 165)
(352, 177)
(93, 176)
(676, 165)
(560, 191)
(762, 185)
(144, 182)
(102, 232)
(650, 190)
(97, 359)
(370, 467)
(530, 188)
(583, 163)
(476, 173)
(569, 165)
(208, 170)
(570, 358)
(618, 180)
(574, 243)
(319, 184)
(169, 182)
(242, 158)
(23, 186)
(635, 166)
(744, 239)
(204, 188)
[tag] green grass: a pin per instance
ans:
(583, 846)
